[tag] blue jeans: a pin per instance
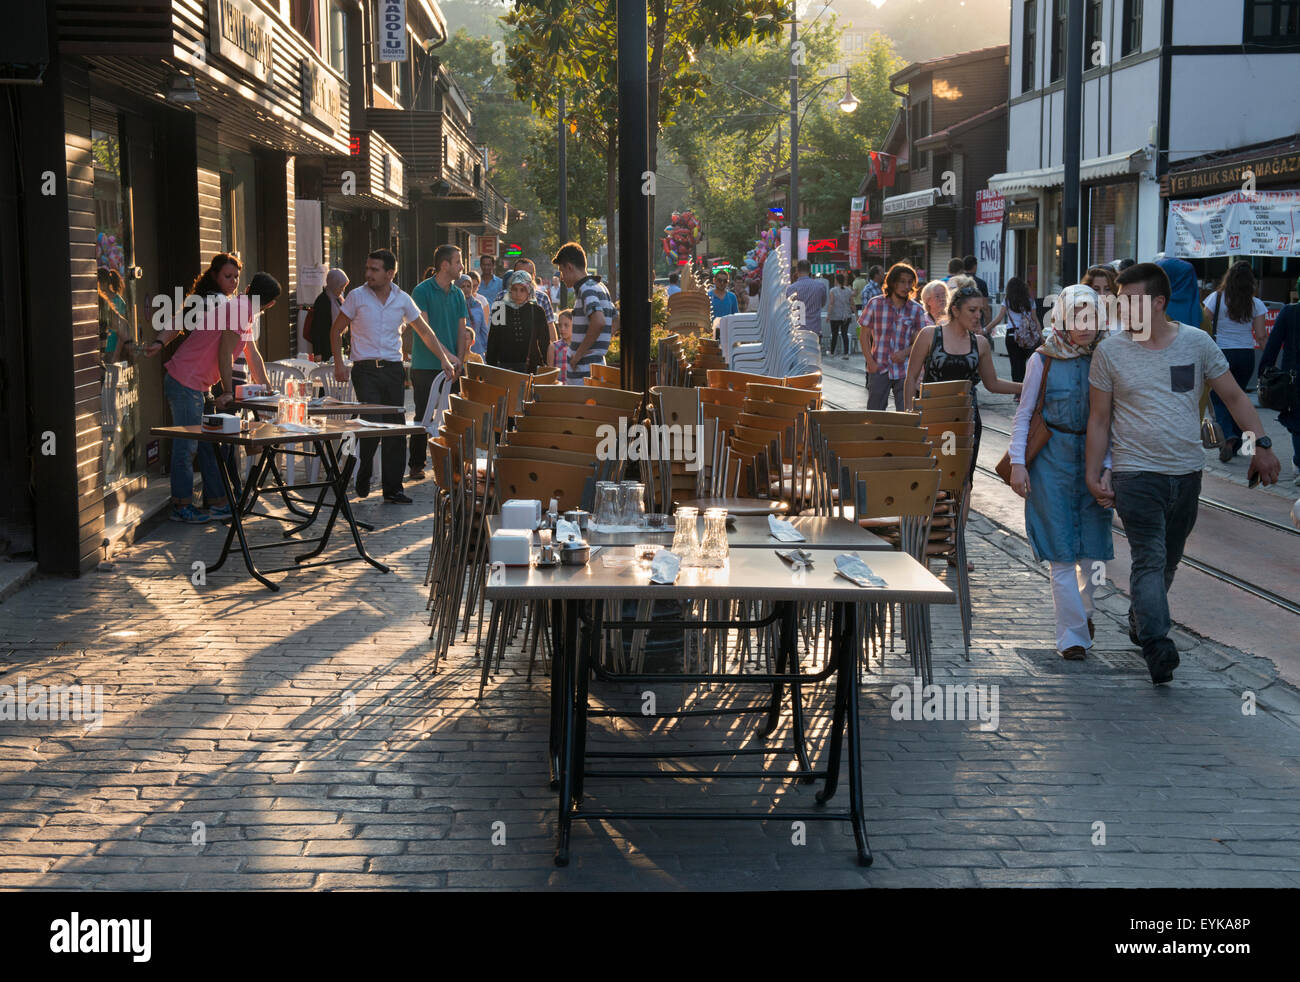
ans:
(187, 410)
(1158, 512)
(1241, 364)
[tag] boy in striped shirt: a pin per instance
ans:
(593, 311)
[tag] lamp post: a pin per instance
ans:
(633, 206)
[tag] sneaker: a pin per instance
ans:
(189, 515)
(1074, 653)
(417, 474)
(219, 513)
(397, 499)
(363, 487)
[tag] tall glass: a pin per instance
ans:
(686, 543)
(607, 503)
(631, 504)
(714, 549)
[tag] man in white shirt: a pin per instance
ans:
(377, 314)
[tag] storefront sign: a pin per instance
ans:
(989, 207)
(392, 31)
(872, 239)
(321, 96)
(1023, 215)
(393, 173)
(487, 245)
(910, 202)
(241, 33)
(1240, 223)
(1278, 167)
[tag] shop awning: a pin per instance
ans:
(1094, 169)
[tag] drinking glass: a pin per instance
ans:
(607, 503)
(631, 504)
(686, 543)
(714, 550)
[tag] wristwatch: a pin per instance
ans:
(1266, 442)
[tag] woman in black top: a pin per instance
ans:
(957, 351)
(520, 343)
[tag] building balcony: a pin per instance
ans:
(435, 151)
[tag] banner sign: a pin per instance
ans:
(1239, 223)
(855, 230)
(872, 239)
(392, 30)
(989, 207)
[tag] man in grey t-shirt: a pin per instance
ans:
(1145, 403)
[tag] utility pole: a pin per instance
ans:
(1073, 139)
(564, 188)
(793, 217)
(633, 205)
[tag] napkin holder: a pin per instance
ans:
(511, 547)
(249, 391)
(521, 513)
(220, 423)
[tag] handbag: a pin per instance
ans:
(1038, 436)
(1211, 431)
(1277, 389)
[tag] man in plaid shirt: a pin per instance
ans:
(890, 323)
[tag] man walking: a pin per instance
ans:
(593, 312)
(1144, 402)
(890, 323)
(971, 264)
(721, 300)
(813, 293)
(872, 289)
(492, 285)
(377, 313)
(445, 309)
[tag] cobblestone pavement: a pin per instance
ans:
(305, 732)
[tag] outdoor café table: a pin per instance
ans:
(752, 532)
(267, 438)
(752, 575)
(331, 407)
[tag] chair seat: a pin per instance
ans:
(739, 506)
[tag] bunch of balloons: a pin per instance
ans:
(767, 241)
(680, 237)
(109, 252)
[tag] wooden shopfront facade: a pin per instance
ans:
(169, 132)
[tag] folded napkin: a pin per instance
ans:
(664, 567)
(382, 426)
(298, 428)
(564, 530)
(852, 567)
(783, 530)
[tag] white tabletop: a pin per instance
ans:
(750, 574)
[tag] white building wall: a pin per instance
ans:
(1150, 207)
(1225, 101)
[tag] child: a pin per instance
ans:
(559, 354)
(470, 338)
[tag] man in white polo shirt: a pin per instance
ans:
(378, 312)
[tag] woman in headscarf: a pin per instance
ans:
(520, 343)
(325, 311)
(1066, 526)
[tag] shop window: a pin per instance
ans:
(1273, 21)
(239, 209)
(1131, 38)
(1059, 11)
(334, 36)
(1091, 32)
(1112, 222)
(1029, 46)
(920, 123)
(119, 414)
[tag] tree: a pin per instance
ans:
(556, 43)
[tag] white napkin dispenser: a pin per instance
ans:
(220, 423)
(249, 391)
(521, 513)
(511, 547)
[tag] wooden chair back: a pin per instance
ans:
(542, 480)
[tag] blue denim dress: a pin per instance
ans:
(1064, 521)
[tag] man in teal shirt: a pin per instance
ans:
(444, 307)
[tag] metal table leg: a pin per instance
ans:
(837, 715)
(237, 525)
(848, 680)
(567, 763)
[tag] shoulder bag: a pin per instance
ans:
(1038, 436)
(1211, 431)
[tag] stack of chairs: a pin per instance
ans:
(948, 416)
(689, 312)
(775, 344)
(709, 357)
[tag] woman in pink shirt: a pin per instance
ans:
(192, 371)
